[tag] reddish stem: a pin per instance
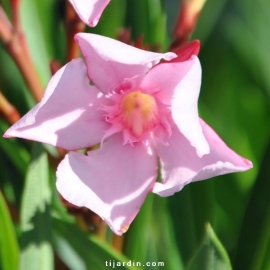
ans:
(15, 7)
(118, 242)
(74, 25)
(16, 46)
(55, 66)
(8, 110)
(102, 230)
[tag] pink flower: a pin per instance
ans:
(141, 113)
(89, 10)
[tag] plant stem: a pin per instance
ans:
(118, 242)
(16, 46)
(74, 25)
(8, 110)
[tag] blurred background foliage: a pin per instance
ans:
(38, 231)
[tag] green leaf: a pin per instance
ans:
(18, 155)
(39, 23)
(36, 249)
(81, 251)
(137, 19)
(211, 254)
(208, 19)
(183, 215)
(157, 22)
(151, 233)
(147, 19)
(139, 237)
(245, 30)
(164, 235)
(236, 110)
(253, 248)
(9, 249)
(111, 20)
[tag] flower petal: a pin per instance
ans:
(113, 65)
(179, 86)
(68, 115)
(181, 165)
(112, 181)
(89, 10)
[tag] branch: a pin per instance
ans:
(8, 110)
(74, 25)
(16, 46)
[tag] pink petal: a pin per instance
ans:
(181, 165)
(179, 86)
(89, 10)
(113, 65)
(112, 181)
(68, 114)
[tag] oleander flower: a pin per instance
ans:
(142, 113)
(89, 10)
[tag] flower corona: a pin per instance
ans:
(136, 113)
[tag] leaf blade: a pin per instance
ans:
(35, 215)
(211, 254)
(9, 248)
(93, 252)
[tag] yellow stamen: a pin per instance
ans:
(139, 112)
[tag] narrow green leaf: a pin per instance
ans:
(137, 19)
(172, 9)
(9, 184)
(208, 19)
(139, 239)
(35, 215)
(89, 252)
(9, 249)
(255, 234)
(13, 150)
(151, 233)
(236, 111)
(37, 19)
(164, 235)
(181, 208)
(112, 19)
(147, 18)
(157, 23)
(245, 30)
(211, 254)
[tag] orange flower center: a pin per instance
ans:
(139, 112)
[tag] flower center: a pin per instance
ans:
(139, 113)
